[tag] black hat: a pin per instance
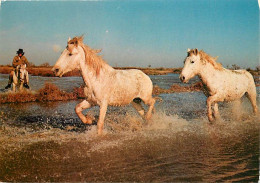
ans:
(20, 51)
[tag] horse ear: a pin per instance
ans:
(69, 39)
(196, 51)
(188, 52)
(76, 43)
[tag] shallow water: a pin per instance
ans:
(68, 83)
(47, 141)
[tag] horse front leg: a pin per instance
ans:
(216, 111)
(210, 101)
(21, 86)
(13, 87)
(151, 103)
(27, 78)
(79, 108)
(15, 81)
(102, 114)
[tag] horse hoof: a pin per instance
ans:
(211, 119)
(88, 120)
(8, 86)
(100, 133)
(148, 117)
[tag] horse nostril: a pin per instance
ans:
(182, 78)
(56, 70)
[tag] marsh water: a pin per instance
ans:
(47, 142)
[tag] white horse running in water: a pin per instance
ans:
(20, 76)
(220, 84)
(104, 85)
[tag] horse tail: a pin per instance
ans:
(251, 91)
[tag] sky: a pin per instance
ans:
(133, 32)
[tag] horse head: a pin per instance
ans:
(70, 57)
(192, 65)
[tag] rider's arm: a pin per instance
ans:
(26, 61)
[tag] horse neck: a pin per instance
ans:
(17, 73)
(21, 74)
(207, 73)
(90, 76)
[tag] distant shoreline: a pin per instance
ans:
(46, 71)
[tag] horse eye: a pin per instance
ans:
(192, 62)
(70, 54)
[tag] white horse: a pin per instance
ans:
(20, 77)
(220, 84)
(104, 85)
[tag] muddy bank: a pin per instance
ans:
(178, 88)
(51, 92)
(154, 71)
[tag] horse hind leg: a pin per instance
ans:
(236, 109)
(251, 95)
(150, 102)
(138, 106)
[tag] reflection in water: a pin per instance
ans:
(47, 142)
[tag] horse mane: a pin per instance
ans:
(94, 61)
(212, 60)
(204, 57)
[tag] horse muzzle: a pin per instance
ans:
(56, 71)
(183, 79)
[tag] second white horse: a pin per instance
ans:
(220, 84)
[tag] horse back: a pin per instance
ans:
(127, 85)
(244, 75)
(236, 83)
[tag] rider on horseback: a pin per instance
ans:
(18, 60)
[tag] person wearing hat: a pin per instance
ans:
(19, 59)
